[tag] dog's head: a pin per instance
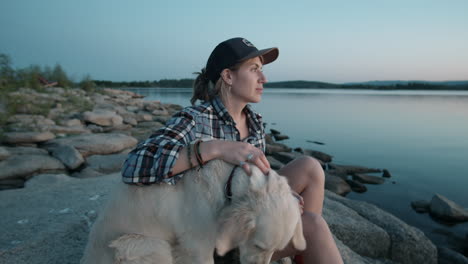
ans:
(261, 220)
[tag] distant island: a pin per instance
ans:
(375, 85)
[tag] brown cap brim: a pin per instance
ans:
(268, 55)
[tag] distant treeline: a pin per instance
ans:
(187, 83)
(165, 83)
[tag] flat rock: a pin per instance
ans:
(102, 117)
(336, 184)
(49, 220)
(71, 122)
(285, 157)
(129, 118)
(26, 151)
(274, 163)
(351, 169)
(369, 179)
(24, 166)
(386, 174)
(106, 163)
(441, 207)
(92, 144)
(154, 125)
(316, 154)
(276, 147)
(275, 132)
(269, 139)
(67, 154)
(30, 119)
(144, 116)
(80, 129)
(162, 119)
(356, 186)
(4, 153)
(159, 112)
(27, 137)
(173, 108)
(116, 92)
(153, 105)
(420, 206)
(279, 137)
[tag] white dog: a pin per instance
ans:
(184, 223)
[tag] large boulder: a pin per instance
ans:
(102, 117)
(24, 166)
(27, 137)
(92, 144)
(443, 208)
(362, 236)
(408, 244)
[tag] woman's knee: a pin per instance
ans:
(314, 170)
(313, 223)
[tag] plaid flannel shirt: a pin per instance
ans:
(153, 159)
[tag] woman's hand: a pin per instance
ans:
(238, 153)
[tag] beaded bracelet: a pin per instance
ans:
(189, 154)
(198, 154)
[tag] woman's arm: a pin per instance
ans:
(229, 151)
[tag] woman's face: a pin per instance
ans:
(247, 82)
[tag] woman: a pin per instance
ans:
(225, 127)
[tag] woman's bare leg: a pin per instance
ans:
(306, 177)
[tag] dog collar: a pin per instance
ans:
(227, 187)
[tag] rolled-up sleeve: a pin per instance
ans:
(153, 159)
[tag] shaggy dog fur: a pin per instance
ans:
(184, 223)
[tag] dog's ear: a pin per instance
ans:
(257, 179)
(298, 238)
(234, 229)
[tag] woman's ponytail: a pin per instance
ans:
(202, 89)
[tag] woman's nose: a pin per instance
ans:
(263, 78)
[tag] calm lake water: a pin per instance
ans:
(421, 137)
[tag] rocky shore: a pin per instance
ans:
(62, 149)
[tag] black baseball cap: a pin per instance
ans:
(232, 51)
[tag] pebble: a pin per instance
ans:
(95, 197)
(65, 211)
(23, 221)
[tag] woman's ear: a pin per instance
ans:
(226, 74)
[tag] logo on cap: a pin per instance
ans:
(248, 43)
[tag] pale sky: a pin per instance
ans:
(330, 41)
